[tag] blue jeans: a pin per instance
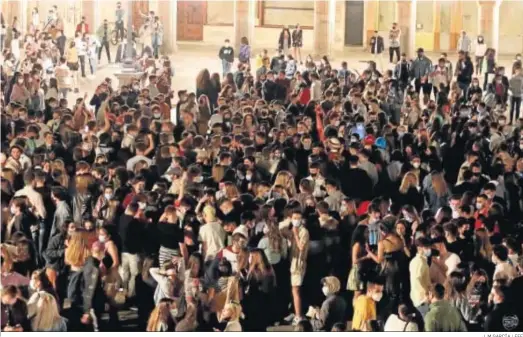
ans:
(226, 67)
(64, 92)
(93, 62)
(156, 45)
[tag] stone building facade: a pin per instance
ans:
(328, 25)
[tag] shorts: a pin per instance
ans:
(297, 279)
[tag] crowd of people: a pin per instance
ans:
(279, 193)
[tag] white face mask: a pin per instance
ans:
(32, 284)
(325, 290)
(198, 179)
(174, 313)
(108, 196)
(296, 223)
(376, 297)
(416, 165)
(13, 210)
(102, 238)
(142, 205)
(248, 177)
(479, 206)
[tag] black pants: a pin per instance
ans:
(393, 50)
(515, 108)
(426, 88)
(479, 64)
(104, 43)
(119, 31)
(82, 64)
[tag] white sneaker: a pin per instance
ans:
(297, 320)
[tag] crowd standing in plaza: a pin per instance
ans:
(281, 192)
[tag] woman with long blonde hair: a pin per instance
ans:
(286, 180)
(258, 301)
(437, 194)
(485, 247)
(231, 191)
(408, 192)
(77, 250)
(47, 317)
(161, 318)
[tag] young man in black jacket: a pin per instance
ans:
(226, 54)
(376, 48)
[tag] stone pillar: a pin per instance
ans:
(456, 24)
(489, 22)
(321, 45)
(244, 20)
(437, 25)
(406, 19)
(370, 21)
(168, 12)
(14, 8)
(89, 11)
(23, 16)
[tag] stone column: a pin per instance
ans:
(321, 41)
(489, 22)
(437, 25)
(370, 21)
(244, 20)
(89, 11)
(406, 19)
(456, 24)
(23, 16)
(168, 12)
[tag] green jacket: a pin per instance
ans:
(444, 317)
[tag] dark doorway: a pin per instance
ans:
(354, 12)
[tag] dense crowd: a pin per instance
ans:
(278, 192)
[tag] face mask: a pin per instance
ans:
(427, 253)
(32, 284)
(108, 196)
(13, 210)
(376, 297)
(400, 134)
(102, 238)
(198, 179)
(479, 205)
(157, 115)
(296, 223)
(142, 205)
(248, 177)
(174, 313)
(20, 82)
(416, 165)
(325, 291)
(521, 146)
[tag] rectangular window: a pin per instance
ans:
(285, 13)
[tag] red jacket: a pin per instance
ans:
(84, 30)
(305, 96)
